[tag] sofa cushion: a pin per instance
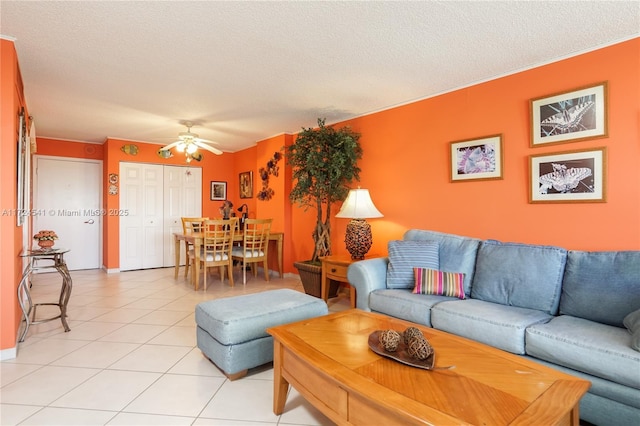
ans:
(457, 253)
(604, 388)
(406, 255)
(597, 349)
(610, 278)
(632, 322)
(401, 303)
(526, 276)
(439, 283)
(496, 325)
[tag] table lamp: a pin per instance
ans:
(358, 207)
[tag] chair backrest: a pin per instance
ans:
(218, 239)
(256, 236)
(192, 224)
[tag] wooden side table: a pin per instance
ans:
(335, 268)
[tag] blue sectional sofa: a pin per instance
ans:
(571, 310)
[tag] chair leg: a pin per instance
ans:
(204, 272)
(230, 268)
(194, 279)
(244, 272)
(266, 270)
(222, 273)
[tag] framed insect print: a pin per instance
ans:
(569, 177)
(570, 116)
(476, 159)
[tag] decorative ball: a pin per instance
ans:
(389, 339)
(419, 348)
(410, 333)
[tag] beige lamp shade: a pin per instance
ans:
(358, 205)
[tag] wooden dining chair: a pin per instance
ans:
(189, 226)
(254, 247)
(216, 249)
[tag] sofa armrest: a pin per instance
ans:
(367, 276)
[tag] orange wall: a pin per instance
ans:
(62, 148)
(406, 154)
(277, 206)
(11, 101)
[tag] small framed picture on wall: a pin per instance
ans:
(218, 190)
(572, 116)
(246, 184)
(569, 177)
(476, 159)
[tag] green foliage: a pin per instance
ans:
(324, 162)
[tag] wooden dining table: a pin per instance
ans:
(196, 238)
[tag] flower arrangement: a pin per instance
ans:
(226, 209)
(45, 236)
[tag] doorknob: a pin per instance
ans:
(90, 221)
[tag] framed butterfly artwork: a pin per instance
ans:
(476, 159)
(577, 115)
(569, 177)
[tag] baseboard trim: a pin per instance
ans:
(10, 353)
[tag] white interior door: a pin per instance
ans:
(182, 197)
(68, 200)
(141, 230)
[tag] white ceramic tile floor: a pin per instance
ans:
(131, 358)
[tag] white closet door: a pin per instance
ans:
(183, 198)
(153, 220)
(155, 198)
(141, 230)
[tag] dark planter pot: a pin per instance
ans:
(311, 277)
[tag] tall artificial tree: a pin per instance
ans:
(324, 162)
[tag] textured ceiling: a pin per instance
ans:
(245, 71)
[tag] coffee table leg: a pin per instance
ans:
(280, 385)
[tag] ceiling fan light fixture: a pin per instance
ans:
(191, 148)
(190, 144)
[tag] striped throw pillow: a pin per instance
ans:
(440, 283)
(406, 255)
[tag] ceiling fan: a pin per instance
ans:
(189, 143)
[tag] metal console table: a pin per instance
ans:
(24, 288)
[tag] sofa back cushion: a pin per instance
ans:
(406, 255)
(520, 275)
(457, 253)
(601, 286)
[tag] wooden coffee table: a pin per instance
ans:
(328, 360)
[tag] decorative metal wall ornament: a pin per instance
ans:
(271, 168)
(130, 149)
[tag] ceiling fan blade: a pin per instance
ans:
(208, 147)
(171, 145)
(203, 140)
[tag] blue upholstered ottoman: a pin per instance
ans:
(231, 331)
